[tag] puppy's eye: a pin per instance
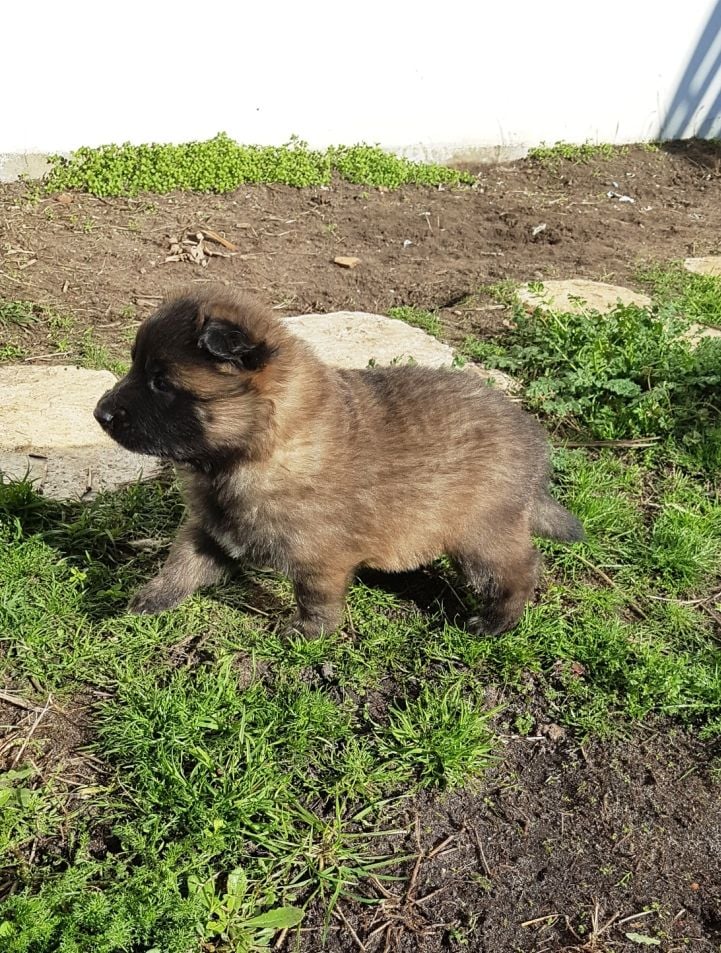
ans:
(160, 383)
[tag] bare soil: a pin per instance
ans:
(564, 846)
(103, 261)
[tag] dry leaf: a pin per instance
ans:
(347, 261)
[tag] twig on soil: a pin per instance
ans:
(379, 930)
(548, 916)
(607, 579)
(636, 916)
(380, 888)
(441, 848)
(18, 701)
(590, 943)
(29, 735)
(688, 602)
(250, 608)
(215, 237)
(637, 442)
(402, 913)
(354, 935)
(427, 896)
(481, 852)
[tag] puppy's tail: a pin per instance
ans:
(553, 521)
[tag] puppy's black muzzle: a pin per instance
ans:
(108, 414)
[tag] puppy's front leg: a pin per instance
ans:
(320, 594)
(194, 560)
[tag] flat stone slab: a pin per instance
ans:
(354, 339)
(577, 294)
(709, 265)
(697, 332)
(48, 432)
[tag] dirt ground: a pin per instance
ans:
(104, 260)
(563, 846)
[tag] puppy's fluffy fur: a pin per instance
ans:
(317, 471)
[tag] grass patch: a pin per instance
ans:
(504, 292)
(95, 356)
(16, 319)
(419, 318)
(696, 297)
(445, 735)
(221, 165)
(570, 152)
(19, 314)
(63, 338)
(219, 738)
(11, 352)
(627, 374)
(623, 630)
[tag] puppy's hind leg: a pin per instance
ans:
(194, 560)
(504, 578)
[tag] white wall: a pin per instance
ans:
(431, 78)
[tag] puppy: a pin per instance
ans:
(316, 472)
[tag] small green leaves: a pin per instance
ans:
(628, 374)
(221, 165)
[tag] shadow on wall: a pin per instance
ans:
(695, 110)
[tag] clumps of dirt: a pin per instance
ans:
(44, 746)
(560, 848)
(51, 733)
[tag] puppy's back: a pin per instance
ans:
(450, 417)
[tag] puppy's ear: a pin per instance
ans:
(227, 342)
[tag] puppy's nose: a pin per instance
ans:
(103, 416)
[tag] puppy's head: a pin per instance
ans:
(200, 387)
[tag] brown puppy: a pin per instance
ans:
(317, 471)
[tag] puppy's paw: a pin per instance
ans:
(491, 623)
(312, 626)
(153, 598)
(309, 628)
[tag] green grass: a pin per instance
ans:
(63, 338)
(240, 774)
(91, 354)
(570, 152)
(696, 297)
(240, 752)
(445, 734)
(11, 352)
(221, 165)
(419, 318)
(19, 314)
